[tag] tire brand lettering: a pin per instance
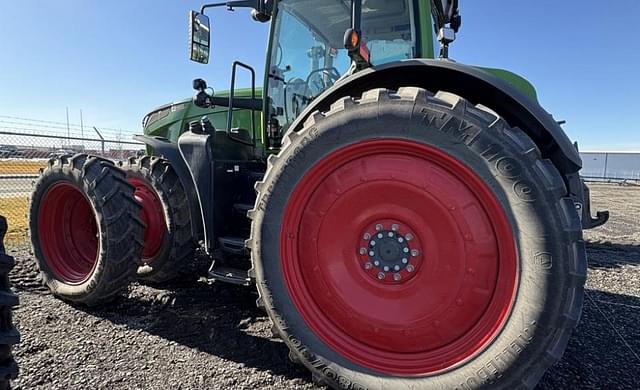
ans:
(461, 130)
(494, 369)
(318, 364)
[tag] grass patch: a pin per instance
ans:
(15, 210)
(17, 167)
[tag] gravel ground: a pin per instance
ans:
(200, 335)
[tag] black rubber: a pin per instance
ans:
(546, 227)
(9, 335)
(118, 218)
(178, 248)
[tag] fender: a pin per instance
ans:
(171, 152)
(475, 85)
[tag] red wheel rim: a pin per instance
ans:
(68, 233)
(464, 265)
(152, 216)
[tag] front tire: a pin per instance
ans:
(169, 245)
(411, 240)
(85, 227)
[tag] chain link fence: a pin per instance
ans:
(26, 145)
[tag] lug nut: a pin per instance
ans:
(366, 236)
(381, 275)
(380, 235)
(410, 268)
(390, 234)
(396, 268)
(405, 250)
(379, 227)
(386, 268)
(376, 263)
(400, 239)
(397, 277)
(405, 260)
(363, 251)
(395, 227)
(372, 253)
(372, 243)
(368, 265)
(408, 236)
(414, 252)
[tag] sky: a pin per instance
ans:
(117, 60)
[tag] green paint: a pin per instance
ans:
(425, 32)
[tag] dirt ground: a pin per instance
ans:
(200, 335)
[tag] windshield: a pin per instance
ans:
(308, 55)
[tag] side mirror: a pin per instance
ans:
(199, 37)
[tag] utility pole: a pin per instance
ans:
(68, 131)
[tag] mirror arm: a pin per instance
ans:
(233, 4)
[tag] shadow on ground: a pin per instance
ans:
(217, 319)
(604, 254)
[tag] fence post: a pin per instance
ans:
(101, 137)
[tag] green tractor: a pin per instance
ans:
(408, 221)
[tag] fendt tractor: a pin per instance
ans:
(409, 222)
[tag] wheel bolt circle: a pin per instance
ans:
(380, 245)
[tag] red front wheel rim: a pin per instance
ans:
(153, 217)
(399, 257)
(68, 233)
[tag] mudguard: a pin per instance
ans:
(170, 151)
(474, 84)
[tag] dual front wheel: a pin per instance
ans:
(96, 227)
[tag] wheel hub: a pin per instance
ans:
(389, 252)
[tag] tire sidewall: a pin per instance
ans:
(52, 176)
(536, 219)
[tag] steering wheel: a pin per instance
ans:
(321, 79)
(296, 97)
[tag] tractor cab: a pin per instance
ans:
(311, 49)
(308, 54)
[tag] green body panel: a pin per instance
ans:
(516, 81)
(172, 120)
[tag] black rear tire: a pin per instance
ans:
(101, 188)
(178, 248)
(9, 335)
(551, 258)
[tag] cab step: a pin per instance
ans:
(233, 245)
(230, 275)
